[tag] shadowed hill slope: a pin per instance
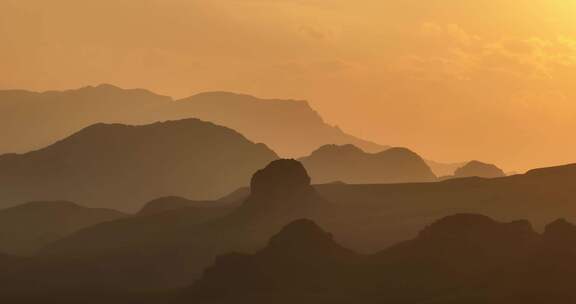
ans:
(291, 128)
(177, 244)
(350, 164)
(120, 166)
(464, 258)
(28, 227)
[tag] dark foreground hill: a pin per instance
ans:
(465, 258)
(31, 226)
(365, 218)
(290, 127)
(120, 166)
(462, 258)
(350, 164)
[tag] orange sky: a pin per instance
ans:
(486, 79)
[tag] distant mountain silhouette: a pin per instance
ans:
(289, 127)
(464, 258)
(120, 166)
(28, 227)
(43, 118)
(350, 164)
(479, 169)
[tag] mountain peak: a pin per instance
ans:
(303, 238)
(279, 178)
(300, 232)
(282, 189)
(122, 165)
(560, 233)
(350, 164)
(329, 149)
(479, 169)
(107, 86)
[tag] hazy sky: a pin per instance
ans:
(486, 79)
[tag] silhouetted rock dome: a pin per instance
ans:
(479, 169)
(328, 150)
(280, 177)
(351, 164)
(560, 232)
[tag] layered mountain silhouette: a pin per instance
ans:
(175, 246)
(349, 164)
(44, 118)
(463, 258)
(120, 166)
(289, 127)
(28, 227)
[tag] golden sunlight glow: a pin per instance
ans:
(452, 79)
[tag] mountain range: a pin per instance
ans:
(463, 258)
(290, 127)
(349, 164)
(365, 218)
(120, 166)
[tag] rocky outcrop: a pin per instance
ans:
(281, 188)
(349, 164)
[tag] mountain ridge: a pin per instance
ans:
(28, 112)
(120, 166)
(350, 164)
